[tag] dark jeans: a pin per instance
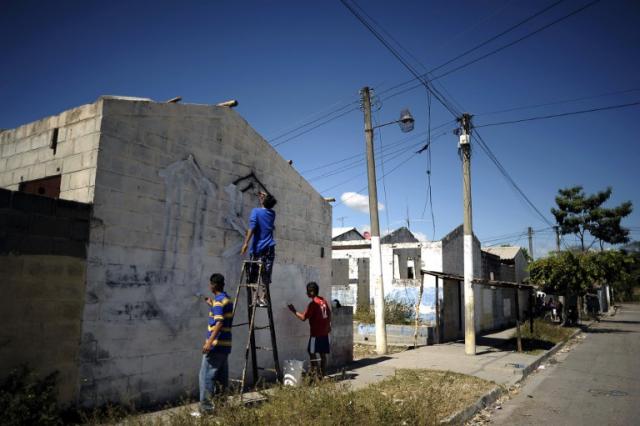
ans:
(214, 374)
(266, 256)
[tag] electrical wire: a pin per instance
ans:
(493, 52)
(322, 123)
(564, 101)
(384, 183)
(564, 114)
(526, 36)
(485, 148)
(423, 79)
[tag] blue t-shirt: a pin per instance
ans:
(221, 311)
(262, 221)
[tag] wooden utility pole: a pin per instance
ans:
(518, 334)
(530, 232)
(464, 148)
(376, 254)
(557, 229)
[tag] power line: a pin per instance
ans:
(423, 79)
(544, 27)
(359, 155)
(508, 177)
(489, 40)
(312, 121)
(564, 101)
(378, 179)
(380, 154)
(564, 114)
(393, 156)
(526, 36)
(384, 183)
(314, 127)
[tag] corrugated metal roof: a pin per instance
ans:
(506, 252)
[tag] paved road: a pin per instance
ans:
(596, 383)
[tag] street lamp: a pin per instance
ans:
(405, 122)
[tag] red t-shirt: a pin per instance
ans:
(319, 315)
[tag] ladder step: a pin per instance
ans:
(273, 370)
(250, 285)
(263, 348)
(238, 325)
(254, 262)
(235, 380)
(262, 327)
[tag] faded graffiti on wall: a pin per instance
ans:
(188, 194)
(189, 206)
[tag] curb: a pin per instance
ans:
(490, 397)
(468, 412)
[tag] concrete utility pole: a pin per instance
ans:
(376, 254)
(530, 231)
(557, 229)
(464, 148)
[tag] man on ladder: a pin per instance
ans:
(263, 246)
(256, 279)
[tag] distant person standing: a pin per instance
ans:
(263, 244)
(319, 315)
(214, 370)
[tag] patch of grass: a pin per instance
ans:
(395, 312)
(545, 336)
(365, 351)
(26, 398)
(412, 397)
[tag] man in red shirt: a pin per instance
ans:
(319, 315)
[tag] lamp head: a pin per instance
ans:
(406, 121)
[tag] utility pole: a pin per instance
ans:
(557, 229)
(464, 148)
(530, 231)
(376, 254)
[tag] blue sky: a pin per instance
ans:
(290, 62)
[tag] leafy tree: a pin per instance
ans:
(563, 273)
(579, 214)
(606, 227)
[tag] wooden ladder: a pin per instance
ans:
(252, 291)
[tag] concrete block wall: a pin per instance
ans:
(25, 154)
(166, 215)
(43, 269)
(341, 336)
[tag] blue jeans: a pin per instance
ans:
(214, 373)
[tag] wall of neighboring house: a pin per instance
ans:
(43, 268)
(26, 153)
(351, 280)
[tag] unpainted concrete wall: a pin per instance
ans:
(43, 270)
(25, 154)
(173, 191)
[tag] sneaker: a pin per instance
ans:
(261, 302)
(196, 414)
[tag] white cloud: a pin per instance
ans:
(357, 202)
(420, 236)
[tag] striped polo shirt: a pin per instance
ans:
(221, 310)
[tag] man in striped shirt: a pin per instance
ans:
(214, 371)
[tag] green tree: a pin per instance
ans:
(606, 224)
(563, 273)
(582, 214)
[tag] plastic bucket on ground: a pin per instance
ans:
(292, 370)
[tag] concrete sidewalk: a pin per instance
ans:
(490, 362)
